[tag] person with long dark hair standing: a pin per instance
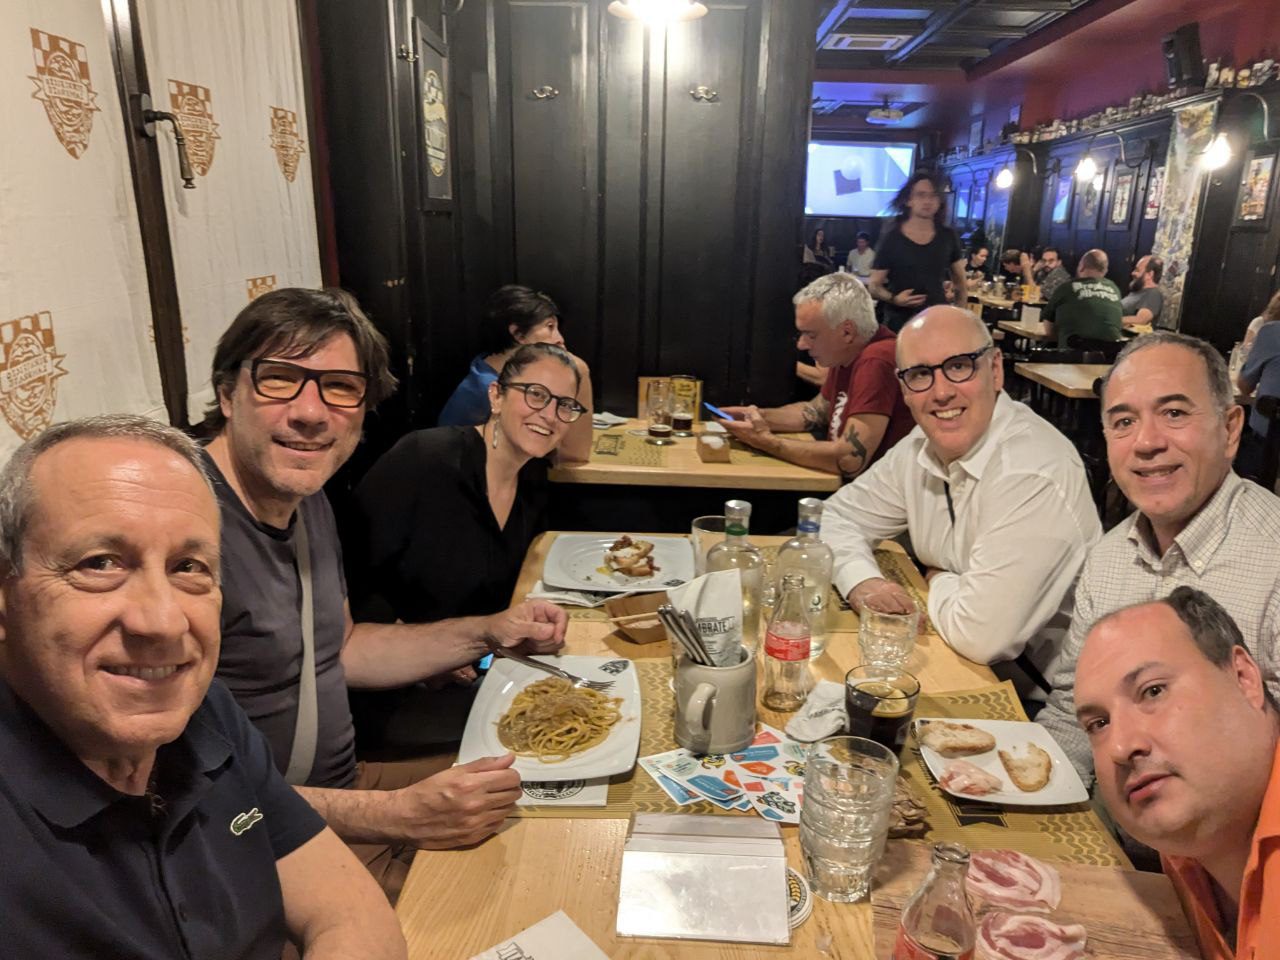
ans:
(916, 254)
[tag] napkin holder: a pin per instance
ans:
(648, 630)
(691, 877)
(713, 448)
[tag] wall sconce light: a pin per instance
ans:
(1004, 179)
(1217, 154)
(1087, 168)
(654, 13)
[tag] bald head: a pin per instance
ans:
(1093, 263)
(931, 321)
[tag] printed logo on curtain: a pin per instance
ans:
(285, 141)
(194, 106)
(63, 86)
(257, 286)
(29, 367)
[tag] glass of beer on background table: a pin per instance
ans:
(658, 407)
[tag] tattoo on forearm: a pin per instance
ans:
(815, 412)
(852, 464)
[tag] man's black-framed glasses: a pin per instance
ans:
(537, 396)
(957, 369)
(282, 380)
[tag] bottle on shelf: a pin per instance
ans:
(805, 554)
(937, 922)
(736, 552)
(787, 679)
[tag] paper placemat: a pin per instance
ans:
(618, 446)
(1072, 833)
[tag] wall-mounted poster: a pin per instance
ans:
(1062, 198)
(978, 201)
(1122, 199)
(1155, 193)
(962, 202)
(1254, 198)
(433, 86)
(1090, 194)
(975, 135)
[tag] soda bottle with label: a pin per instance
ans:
(786, 646)
(937, 922)
(808, 556)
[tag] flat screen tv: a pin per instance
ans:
(852, 179)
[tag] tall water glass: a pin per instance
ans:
(844, 820)
(705, 533)
(887, 639)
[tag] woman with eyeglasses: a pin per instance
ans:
(515, 315)
(440, 525)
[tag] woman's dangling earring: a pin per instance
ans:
(494, 444)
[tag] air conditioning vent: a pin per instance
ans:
(871, 42)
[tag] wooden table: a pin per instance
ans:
(1029, 331)
(457, 903)
(684, 469)
(1072, 380)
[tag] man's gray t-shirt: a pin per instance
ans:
(1151, 299)
(261, 657)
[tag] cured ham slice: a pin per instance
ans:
(1013, 880)
(1009, 936)
(961, 776)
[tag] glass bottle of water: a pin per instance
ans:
(937, 922)
(787, 679)
(806, 555)
(735, 552)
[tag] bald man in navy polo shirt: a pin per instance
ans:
(141, 813)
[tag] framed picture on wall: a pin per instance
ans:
(1155, 193)
(1090, 197)
(1122, 200)
(1253, 201)
(975, 135)
(433, 99)
(1062, 198)
(978, 201)
(962, 202)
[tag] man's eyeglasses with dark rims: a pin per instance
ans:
(537, 396)
(282, 380)
(957, 369)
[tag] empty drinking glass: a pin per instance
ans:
(705, 533)
(844, 820)
(887, 639)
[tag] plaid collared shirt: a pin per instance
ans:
(1230, 550)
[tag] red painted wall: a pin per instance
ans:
(1115, 57)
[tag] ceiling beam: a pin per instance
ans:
(833, 19)
(1003, 6)
(934, 26)
(985, 33)
(958, 51)
(878, 27)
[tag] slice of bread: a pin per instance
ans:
(1029, 773)
(954, 739)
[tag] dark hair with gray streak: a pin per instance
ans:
(16, 492)
(1215, 367)
(1212, 628)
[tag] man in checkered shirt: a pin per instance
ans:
(1172, 428)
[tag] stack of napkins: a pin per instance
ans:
(603, 421)
(573, 598)
(767, 776)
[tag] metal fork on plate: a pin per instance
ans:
(601, 685)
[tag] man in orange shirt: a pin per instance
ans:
(1184, 738)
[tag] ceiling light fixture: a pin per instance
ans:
(1217, 154)
(654, 13)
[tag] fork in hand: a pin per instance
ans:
(602, 686)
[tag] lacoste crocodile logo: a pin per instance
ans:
(242, 822)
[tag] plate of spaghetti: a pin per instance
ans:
(556, 730)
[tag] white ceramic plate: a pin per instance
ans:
(615, 754)
(1064, 784)
(576, 561)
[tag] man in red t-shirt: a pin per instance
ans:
(860, 410)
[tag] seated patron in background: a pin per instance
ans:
(1144, 302)
(916, 253)
(1088, 306)
(1260, 375)
(1049, 273)
(441, 524)
(817, 251)
(977, 264)
(294, 374)
(1172, 426)
(860, 410)
(1015, 267)
(141, 813)
(861, 257)
(1184, 737)
(994, 500)
(1271, 312)
(514, 316)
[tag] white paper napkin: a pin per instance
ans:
(573, 598)
(822, 715)
(557, 936)
(603, 421)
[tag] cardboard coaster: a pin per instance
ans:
(799, 898)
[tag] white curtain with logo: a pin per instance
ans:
(231, 71)
(75, 316)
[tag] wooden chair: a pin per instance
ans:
(1103, 351)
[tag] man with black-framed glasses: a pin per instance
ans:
(293, 377)
(994, 499)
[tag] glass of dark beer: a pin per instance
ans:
(880, 703)
(658, 406)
